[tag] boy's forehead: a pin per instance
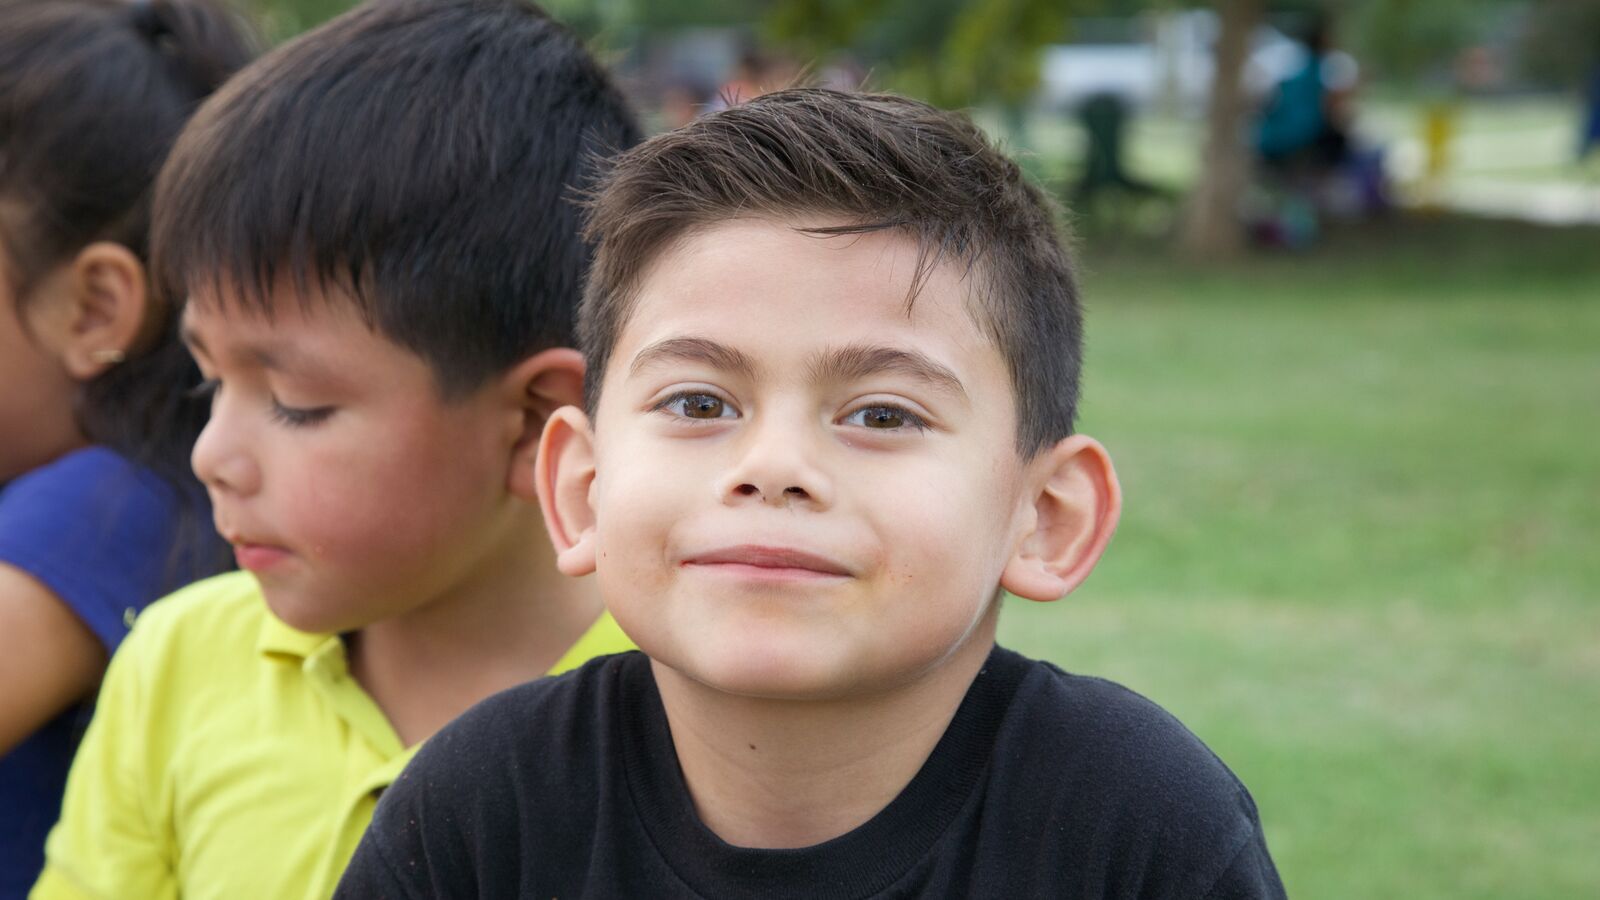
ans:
(760, 283)
(247, 335)
(763, 269)
(283, 333)
(321, 333)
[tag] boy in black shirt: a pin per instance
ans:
(833, 348)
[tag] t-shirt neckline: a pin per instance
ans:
(860, 863)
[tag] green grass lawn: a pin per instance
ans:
(1360, 554)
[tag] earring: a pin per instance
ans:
(108, 355)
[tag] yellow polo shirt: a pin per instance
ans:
(229, 756)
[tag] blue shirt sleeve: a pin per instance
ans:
(100, 532)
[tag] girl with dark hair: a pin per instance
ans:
(99, 514)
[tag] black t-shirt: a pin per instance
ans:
(1044, 785)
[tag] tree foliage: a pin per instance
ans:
(282, 19)
(1562, 42)
(950, 52)
(1410, 39)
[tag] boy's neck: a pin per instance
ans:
(514, 620)
(784, 774)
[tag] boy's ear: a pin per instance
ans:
(545, 382)
(565, 473)
(101, 311)
(1076, 504)
(554, 378)
(535, 388)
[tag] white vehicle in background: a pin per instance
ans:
(1165, 60)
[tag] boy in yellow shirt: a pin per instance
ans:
(374, 231)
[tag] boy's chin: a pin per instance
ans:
(759, 683)
(303, 613)
(786, 672)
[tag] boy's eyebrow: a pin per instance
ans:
(694, 350)
(281, 359)
(842, 364)
(190, 338)
(857, 361)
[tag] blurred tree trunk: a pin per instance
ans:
(1211, 228)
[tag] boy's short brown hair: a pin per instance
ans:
(873, 161)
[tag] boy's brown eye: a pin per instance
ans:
(882, 417)
(887, 418)
(701, 406)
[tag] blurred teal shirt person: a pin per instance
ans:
(1296, 117)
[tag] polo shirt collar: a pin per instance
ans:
(321, 658)
(278, 639)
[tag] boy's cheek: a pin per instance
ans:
(650, 476)
(633, 540)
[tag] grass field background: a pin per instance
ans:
(1360, 554)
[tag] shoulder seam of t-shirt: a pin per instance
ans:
(101, 465)
(75, 593)
(1165, 713)
(94, 601)
(380, 847)
(1244, 844)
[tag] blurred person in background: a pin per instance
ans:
(1305, 121)
(1310, 167)
(1589, 138)
(99, 514)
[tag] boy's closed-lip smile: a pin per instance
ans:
(253, 556)
(767, 563)
(258, 557)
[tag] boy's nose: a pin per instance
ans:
(792, 493)
(778, 467)
(220, 461)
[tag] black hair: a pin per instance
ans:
(414, 159)
(92, 95)
(872, 162)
